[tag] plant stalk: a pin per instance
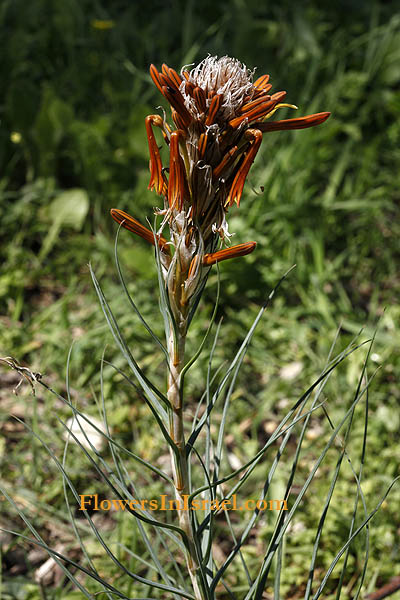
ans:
(179, 460)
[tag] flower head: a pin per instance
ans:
(226, 77)
(220, 115)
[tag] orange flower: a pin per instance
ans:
(219, 117)
(232, 252)
(125, 220)
(222, 114)
(299, 123)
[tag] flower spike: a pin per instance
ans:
(219, 116)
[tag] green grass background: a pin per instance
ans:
(74, 93)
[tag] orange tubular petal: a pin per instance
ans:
(265, 89)
(201, 146)
(261, 82)
(175, 99)
(156, 177)
(200, 98)
(179, 122)
(185, 75)
(170, 79)
(264, 108)
(165, 81)
(155, 75)
(189, 87)
(213, 109)
(250, 105)
(173, 75)
(236, 190)
(193, 265)
(278, 95)
(227, 158)
(232, 252)
(299, 123)
(128, 222)
(259, 111)
(176, 183)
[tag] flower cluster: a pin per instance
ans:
(220, 116)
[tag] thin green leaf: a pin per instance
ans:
(259, 584)
(161, 425)
(349, 541)
(55, 555)
(278, 571)
(199, 350)
(132, 303)
(243, 348)
(158, 567)
(150, 390)
(279, 430)
(110, 440)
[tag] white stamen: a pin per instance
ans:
(222, 230)
(227, 77)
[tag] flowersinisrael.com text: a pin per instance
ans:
(92, 502)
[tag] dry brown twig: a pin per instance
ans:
(30, 376)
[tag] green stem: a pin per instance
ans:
(176, 349)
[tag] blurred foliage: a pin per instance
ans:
(75, 91)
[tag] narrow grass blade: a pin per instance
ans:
(243, 348)
(366, 557)
(321, 524)
(169, 531)
(55, 555)
(358, 481)
(278, 571)
(160, 423)
(210, 380)
(199, 350)
(235, 541)
(110, 440)
(280, 429)
(354, 535)
(153, 394)
(102, 475)
(71, 516)
(259, 585)
(158, 567)
(250, 524)
(131, 302)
